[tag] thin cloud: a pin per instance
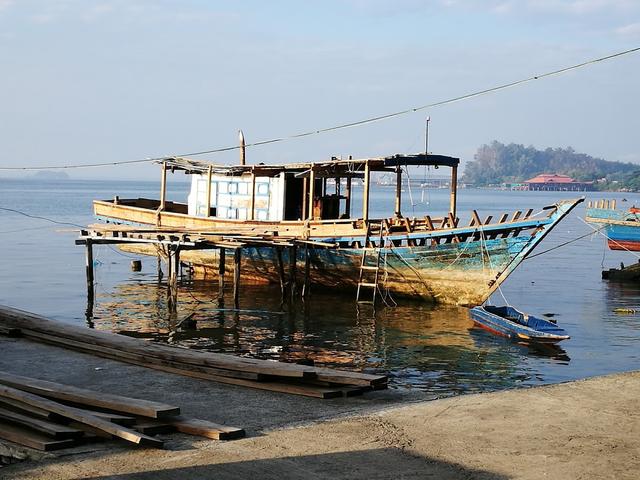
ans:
(631, 31)
(5, 4)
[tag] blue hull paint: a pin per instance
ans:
(509, 322)
(461, 266)
(621, 227)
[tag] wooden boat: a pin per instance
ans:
(510, 322)
(621, 227)
(276, 215)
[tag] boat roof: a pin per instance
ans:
(329, 168)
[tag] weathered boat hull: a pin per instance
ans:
(461, 273)
(511, 323)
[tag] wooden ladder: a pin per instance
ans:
(365, 268)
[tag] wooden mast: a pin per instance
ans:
(242, 147)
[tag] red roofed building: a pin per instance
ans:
(553, 182)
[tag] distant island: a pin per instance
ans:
(50, 175)
(497, 164)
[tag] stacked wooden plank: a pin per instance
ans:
(262, 374)
(49, 416)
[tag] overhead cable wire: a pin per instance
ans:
(40, 218)
(356, 123)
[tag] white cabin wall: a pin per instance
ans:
(231, 196)
(193, 195)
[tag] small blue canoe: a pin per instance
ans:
(512, 323)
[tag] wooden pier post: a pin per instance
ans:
(307, 264)
(237, 258)
(221, 270)
(293, 253)
(280, 266)
(90, 283)
(159, 266)
(89, 270)
(174, 271)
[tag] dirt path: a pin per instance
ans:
(580, 430)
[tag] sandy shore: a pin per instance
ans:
(579, 430)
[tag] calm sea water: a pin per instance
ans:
(434, 349)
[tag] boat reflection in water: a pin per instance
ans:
(423, 347)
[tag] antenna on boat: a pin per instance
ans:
(242, 147)
(426, 139)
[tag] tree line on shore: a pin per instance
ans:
(497, 163)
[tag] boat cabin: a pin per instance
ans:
(320, 191)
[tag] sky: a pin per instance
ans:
(115, 80)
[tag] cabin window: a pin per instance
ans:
(224, 187)
(233, 188)
(262, 189)
(262, 214)
(243, 188)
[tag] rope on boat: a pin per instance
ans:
(386, 294)
(567, 242)
(491, 270)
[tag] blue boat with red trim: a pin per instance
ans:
(622, 227)
(510, 322)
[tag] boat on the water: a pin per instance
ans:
(622, 227)
(275, 215)
(510, 322)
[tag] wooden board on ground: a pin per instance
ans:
(26, 322)
(79, 416)
(92, 398)
(29, 438)
(44, 427)
(204, 428)
(223, 368)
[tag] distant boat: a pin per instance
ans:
(622, 227)
(512, 323)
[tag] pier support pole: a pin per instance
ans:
(305, 287)
(280, 266)
(221, 269)
(90, 291)
(237, 258)
(293, 253)
(159, 266)
(174, 271)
